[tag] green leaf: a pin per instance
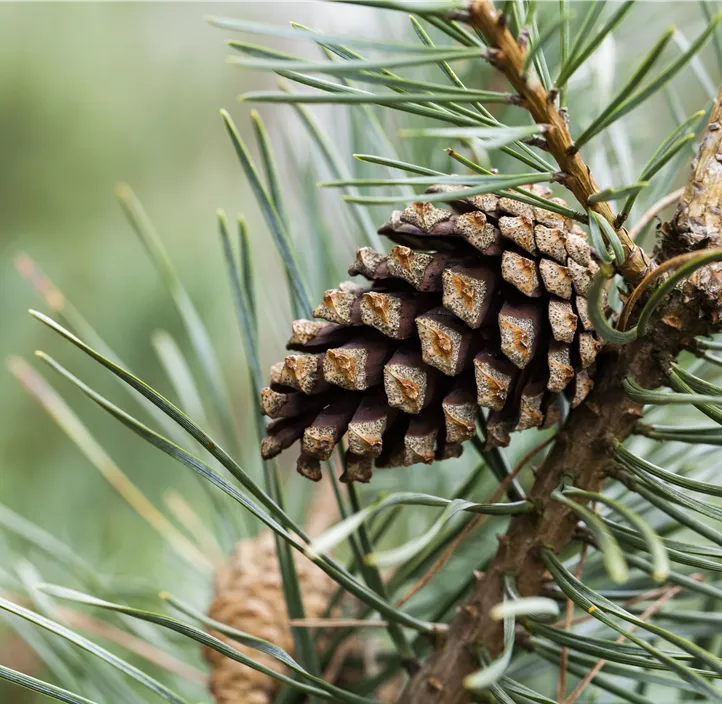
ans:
(697, 385)
(672, 495)
(492, 673)
(599, 322)
(489, 185)
(270, 30)
(349, 68)
(322, 689)
(78, 432)
(612, 194)
(489, 137)
(708, 10)
(595, 605)
(656, 547)
(537, 42)
(361, 98)
(178, 371)
(433, 180)
(580, 56)
(173, 412)
(400, 83)
(363, 548)
(597, 241)
(693, 585)
(585, 30)
(533, 607)
(408, 550)
(44, 541)
(656, 164)
(564, 45)
(169, 448)
(443, 65)
(677, 380)
(241, 302)
(339, 170)
(454, 113)
(323, 561)
(246, 269)
(126, 668)
(272, 218)
(607, 544)
(688, 554)
(624, 693)
(520, 194)
(628, 458)
(499, 466)
(442, 8)
(610, 236)
(192, 321)
(637, 77)
(682, 272)
(341, 530)
(396, 164)
(429, 111)
(71, 317)
(523, 692)
(664, 77)
(580, 664)
(622, 653)
(273, 183)
(457, 31)
(641, 395)
(44, 688)
(697, 66)
(542, 39)
(709, 344)
(661, 500)
(39, 643)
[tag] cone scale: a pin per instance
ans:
(478, 306)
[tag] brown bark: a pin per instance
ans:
(698, 222)
(581, 450)
(508, 56)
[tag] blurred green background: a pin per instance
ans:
(96, 93)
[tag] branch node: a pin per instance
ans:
(470, 611)
(493, 55)
(523, 39)
(435, 684)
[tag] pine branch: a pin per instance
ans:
(581, 453)
(509, 56)
(698, 222)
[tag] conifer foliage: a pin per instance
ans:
(485, 303)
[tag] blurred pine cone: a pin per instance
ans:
(480, 306)
(249, 597)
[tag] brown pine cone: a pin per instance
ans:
(482, 306)
(249, 597)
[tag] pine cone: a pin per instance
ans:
(249, 597)
(480, 306)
